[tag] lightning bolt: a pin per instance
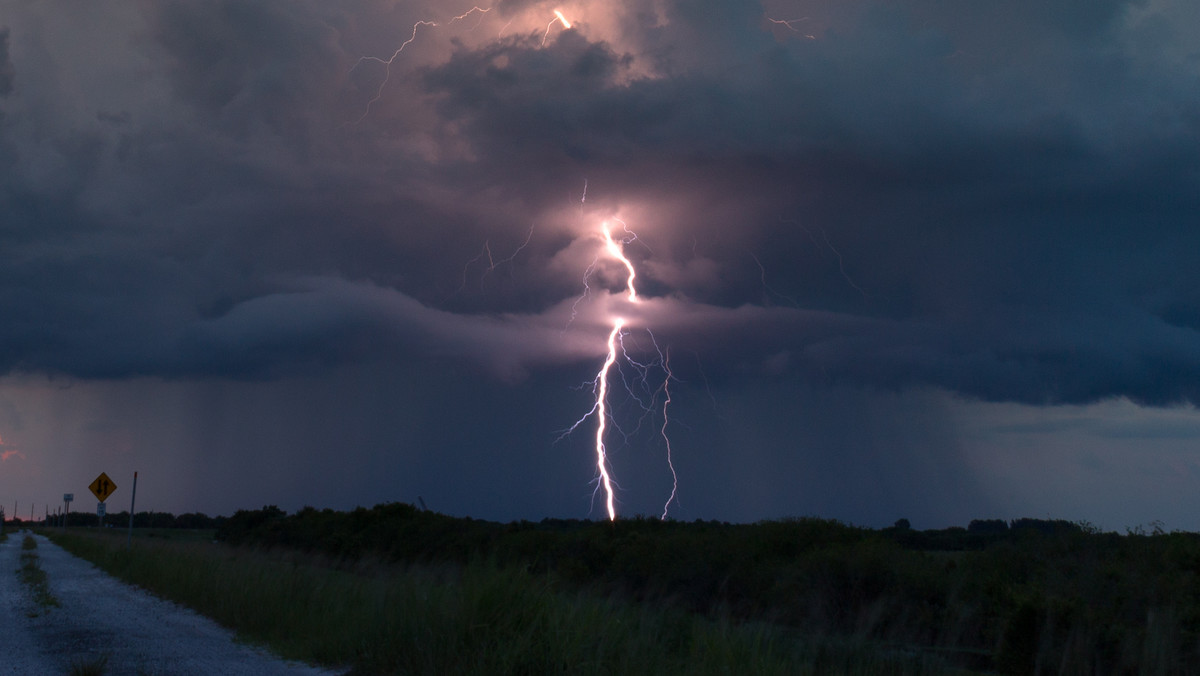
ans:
(617, 353)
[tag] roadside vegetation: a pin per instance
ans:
(475, 618)
(34, 577)
(396, 590)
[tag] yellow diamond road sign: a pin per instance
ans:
(102, 487)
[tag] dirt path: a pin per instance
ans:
(103, 618)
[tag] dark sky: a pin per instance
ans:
(908, 259)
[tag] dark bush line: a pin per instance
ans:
(194, 521)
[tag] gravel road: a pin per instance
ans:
(99, 616)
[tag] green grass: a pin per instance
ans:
(477, 618)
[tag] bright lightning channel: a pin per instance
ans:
(558, 17)
(602, 391)
(618, 253)
(601, 409)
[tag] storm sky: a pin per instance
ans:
(915, 259)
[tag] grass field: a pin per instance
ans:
(394, 589)
(478, 618)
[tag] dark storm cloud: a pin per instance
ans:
(253, 69)
(998, 201)
(7, 74)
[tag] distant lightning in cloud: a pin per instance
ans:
(842, 264)
(387, 63)
(10, 453)
(829, 245)
(763, 277)
(558, 17)
(788, 23)
(486, 252)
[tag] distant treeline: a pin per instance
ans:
(402, 532)
(194, 520)
(1024, 596)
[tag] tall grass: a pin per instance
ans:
(477, 618)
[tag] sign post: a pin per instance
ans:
(132, 498)
(102, 487)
